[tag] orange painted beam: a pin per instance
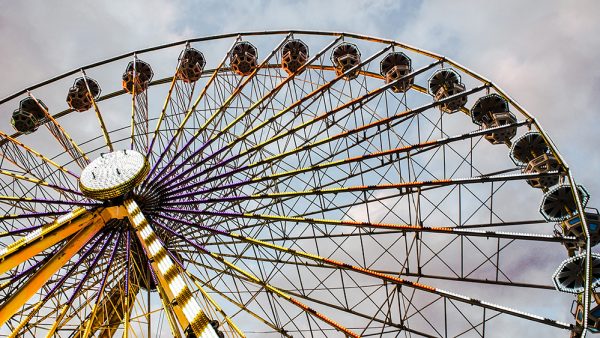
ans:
(84, 224)
(43, 238)
(31, 287)
(52, 233)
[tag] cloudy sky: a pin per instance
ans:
(543, 53)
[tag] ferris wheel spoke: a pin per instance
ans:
(180, 100)
(313, 96)
(24, 185)
(378, 275)
(98, 311)
(220, 111)
(238, 304)
(261, 104)
(412, 149)
(76, 292)
(39, 215)
(271, 289)
(18, 210)
(405, 188)
(128, 290)
(38, 182)
(211, 81)
(15, 151)
(295, 239)
(171, 279)
(300, 295)
(139, 113)
(168, 185)
(361, 224)
(63, 138)
(14, 199)
(92, 98)
(441, 277)
(455, 274)
(322, 260)
(174, 85)
(23, 217)
(385, 323)
(11, 305)
(384, 155)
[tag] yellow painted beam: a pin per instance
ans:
(216, 306)
(171, 279)
(107, 315)
(82, 223)
(34, 153)
(52, 233)
(169, 313)
(241, 306)
(43, 238)
(75, 152)
(31, 287)
(98, 114)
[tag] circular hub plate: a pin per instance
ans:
(113, 174)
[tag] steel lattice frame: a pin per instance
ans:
(300, 204)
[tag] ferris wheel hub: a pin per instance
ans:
(113, 174)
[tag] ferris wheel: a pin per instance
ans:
(287, 184)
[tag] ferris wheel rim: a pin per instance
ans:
(440, 58)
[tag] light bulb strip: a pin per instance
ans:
(167, 271)
(40, 232)
(216, 306)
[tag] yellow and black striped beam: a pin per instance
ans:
(170, 278)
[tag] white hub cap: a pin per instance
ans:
(114, 174)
